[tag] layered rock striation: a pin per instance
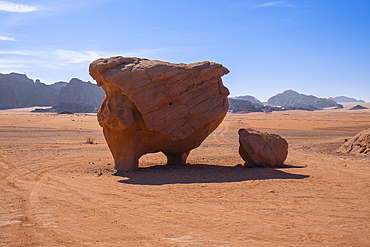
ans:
(155, 106)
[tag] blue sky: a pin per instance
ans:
(318, 47)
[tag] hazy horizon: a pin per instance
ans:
(314, 47)
(230, 96)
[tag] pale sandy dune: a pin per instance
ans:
(58, 191)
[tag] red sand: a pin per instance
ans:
(56, 190)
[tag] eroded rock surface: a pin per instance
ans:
(262, 148)
(153, 106)
(359, 144)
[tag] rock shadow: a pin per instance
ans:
(203, 173)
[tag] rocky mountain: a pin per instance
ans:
(42, 94)
(292, 100)
(58, 85)
(17, 90)
(80, 92)
(245, 106)
(77, 96)
(250, 98)
(237, 105)
(345, 99)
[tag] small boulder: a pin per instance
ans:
(262, 148)
(360, 144)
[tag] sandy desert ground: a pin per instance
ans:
(56, 190)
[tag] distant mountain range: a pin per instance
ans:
(287, 100)
(344, 99)
(291, 99)
(17, 90)
(250, 98)
(240, 105)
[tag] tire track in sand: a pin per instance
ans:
(22, 208)
(219, 134)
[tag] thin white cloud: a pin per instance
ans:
(6, 38)
(60, 59)
(76, 57)
(52, 59)
(23, 53)
(52, 65)
(14, 7)
(275, 4)
(12, 63)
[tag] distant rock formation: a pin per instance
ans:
(17, 90)
(236, 105)
(345, 99)
(293, 100)
(76, 96)
(358, 107)
(58, 85)
(154, 106)
(359, 144)
(43, 95)
(250, 98)
(262, 148)
(79, 96)
(245, 106)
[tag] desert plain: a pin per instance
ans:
(58, 190)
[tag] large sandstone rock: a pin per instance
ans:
(360, 144)
(262, 149)
(153, 106)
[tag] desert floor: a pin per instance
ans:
(57, 190)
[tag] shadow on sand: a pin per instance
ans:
(203, 173)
